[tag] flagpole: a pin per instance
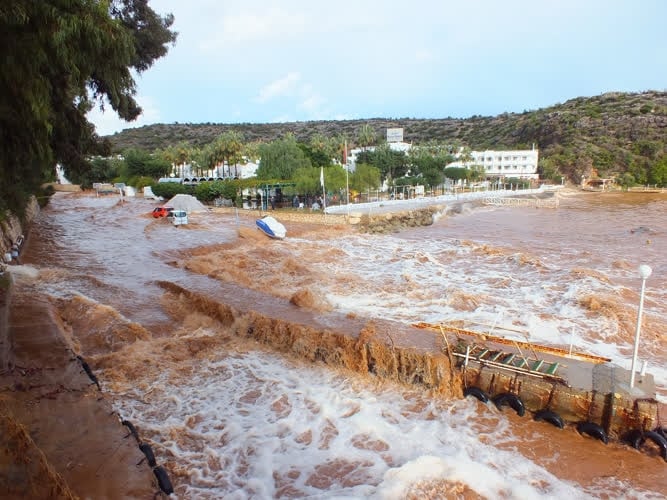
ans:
(324, 193)
(347, 178)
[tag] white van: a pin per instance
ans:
(179, 217)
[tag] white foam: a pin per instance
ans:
(243, 426)
(23, 273)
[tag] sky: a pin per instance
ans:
(263, 61)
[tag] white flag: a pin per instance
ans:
(322, 176)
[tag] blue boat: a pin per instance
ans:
(271, 227)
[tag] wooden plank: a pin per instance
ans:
(496, 356)
(482, 353)
(527, 345)
(508, 359)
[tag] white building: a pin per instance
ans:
(521, 163)
(188, 174)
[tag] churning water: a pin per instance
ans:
(231, 419)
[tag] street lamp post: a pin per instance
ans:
(644, 272)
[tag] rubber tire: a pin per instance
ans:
(593, 430)
(549, 416)
(662, 431)
(476, 392)
(514, 401)
(163, 479)
(634, 438)
(148, 452)
(659, 440)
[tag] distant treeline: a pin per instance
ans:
(614, 134)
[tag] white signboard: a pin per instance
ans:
(394, 135)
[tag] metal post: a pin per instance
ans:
(645, 272)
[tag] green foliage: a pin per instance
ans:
(103, 170)
(548, 170)
(170, 189)
(649, 149)
(227, 189)
(156, 167)
(658, 173)
(456, 173)
(408, 181)
(645, 108)
(138, 182)
(280, 159)
(601, 132)
(428, 162)
(639, 170)
(366, 136)
(59, 59)
(321, 150)
(317, 157)
(365, 177)
(626, 180)
(226, 149)
(44, 194)
(141, 163)
(391, 164)
(307, 179)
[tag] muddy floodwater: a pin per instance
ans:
(231, 418)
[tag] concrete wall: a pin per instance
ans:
(615, 412)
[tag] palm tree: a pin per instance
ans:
(227, 148)
(366, 136)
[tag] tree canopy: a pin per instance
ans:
(281, 158)
(61, 58)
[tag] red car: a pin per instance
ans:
(162, 212)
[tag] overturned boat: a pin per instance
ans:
(271, 227)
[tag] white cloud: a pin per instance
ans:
(281, 87)
(247, 27)
(300, 95)
(312, 104)
(107, 122)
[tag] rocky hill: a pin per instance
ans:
(613, 132)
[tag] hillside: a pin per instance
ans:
(613, 132)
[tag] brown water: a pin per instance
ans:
(231, 419)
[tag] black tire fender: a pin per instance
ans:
(148, 452)
(594, 430)
(507, 398)
(132, 430)
(163, 479)
(634, 438)
(476, 392)
(662, 431)
(549, 416)
(659, 440)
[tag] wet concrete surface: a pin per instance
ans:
(64, 421)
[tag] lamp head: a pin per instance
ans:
(645, 271)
